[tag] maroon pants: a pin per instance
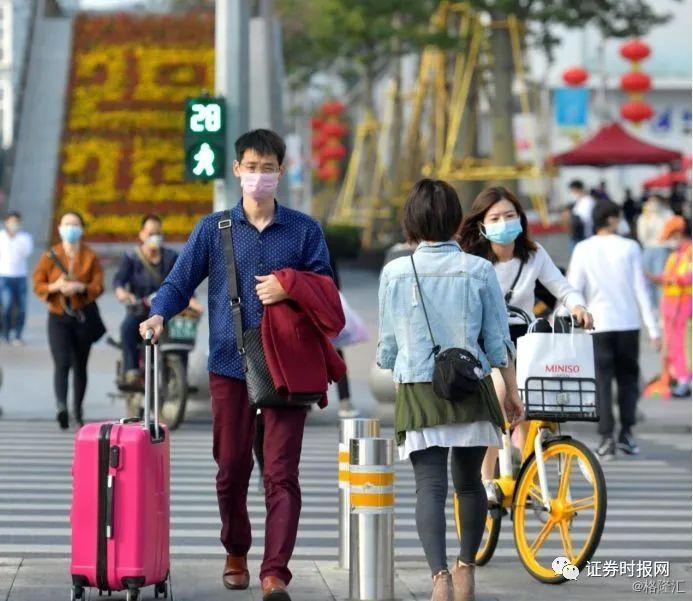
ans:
(234, 429)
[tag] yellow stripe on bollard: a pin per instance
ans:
(343, 466)
(371, 499)
(371, 478)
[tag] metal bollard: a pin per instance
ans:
(356, 427)
(372, 520)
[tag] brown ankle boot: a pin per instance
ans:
(463, 582)
(442, 587)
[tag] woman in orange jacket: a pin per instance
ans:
(67, 295)
(676, 302)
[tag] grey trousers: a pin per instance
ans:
(431, 475)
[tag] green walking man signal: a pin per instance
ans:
(205, 138)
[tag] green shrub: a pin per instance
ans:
(344, 241)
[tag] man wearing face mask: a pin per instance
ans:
(139, 275)
(267, 237)
(16, 247)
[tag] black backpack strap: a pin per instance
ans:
(151, 269)
(225, 228)
(59, 264)
(436, 348)
(509, 293)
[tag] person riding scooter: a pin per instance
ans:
(139, 276)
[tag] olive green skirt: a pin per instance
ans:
(417, 406)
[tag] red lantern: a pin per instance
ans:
(333, 152)
(635, 50)
(329, 172)
(636, 82)
(334, 128)
(575, 76)
(319, 140)
(333, 108)
(636, 111)
(316, 122)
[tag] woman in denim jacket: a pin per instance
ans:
(464, 302)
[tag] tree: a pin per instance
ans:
(614, 18)
(355, 39)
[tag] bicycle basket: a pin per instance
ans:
(182, 329)
(561, 399)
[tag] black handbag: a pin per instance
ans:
(456, 372)
(89, 317)
(261, 389)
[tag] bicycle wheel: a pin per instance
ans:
(175, 388)
(577, 497)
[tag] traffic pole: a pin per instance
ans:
(372, 519)
(231, 66)
(353, 427)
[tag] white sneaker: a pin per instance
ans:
(347, 410)
(491, 492)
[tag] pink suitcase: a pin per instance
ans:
(120, 502)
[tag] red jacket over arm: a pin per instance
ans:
(296, 334)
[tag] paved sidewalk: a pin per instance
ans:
(199, 580)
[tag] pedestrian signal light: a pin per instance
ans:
(205, 138)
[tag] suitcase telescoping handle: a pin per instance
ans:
(151, 384)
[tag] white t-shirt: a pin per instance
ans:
(608, 271)
(14, 253)
(583, 209)
(539, 267)
(650, 225)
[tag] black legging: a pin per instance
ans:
(70, 350)
(431, 474)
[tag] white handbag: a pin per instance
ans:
(355, 330)
(556, 376)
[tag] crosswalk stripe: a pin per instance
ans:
(257, 510)
(648, 514)
(180, 523)
(329, 553)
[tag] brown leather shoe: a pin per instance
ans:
(274, 589)
(236, 576)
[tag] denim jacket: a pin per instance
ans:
(464, 302)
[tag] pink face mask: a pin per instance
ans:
(260, 186)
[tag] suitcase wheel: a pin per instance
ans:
(77, 593)
(133, 594)
(161, 589)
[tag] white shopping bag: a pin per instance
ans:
(355, 330)
(556, 375)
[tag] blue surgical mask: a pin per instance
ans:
(503, 232)
(70, 233)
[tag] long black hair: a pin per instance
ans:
(472, 240)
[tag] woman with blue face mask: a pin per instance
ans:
(496, 229)
(68, 278)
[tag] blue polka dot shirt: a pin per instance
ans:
(293, 240)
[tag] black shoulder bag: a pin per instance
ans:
(455, 369)
(89, 317)
(509, 293)
(261, 389)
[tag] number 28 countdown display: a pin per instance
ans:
(205, 138)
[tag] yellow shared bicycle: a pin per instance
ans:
(556, 495)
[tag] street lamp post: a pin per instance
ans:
(231, 82)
